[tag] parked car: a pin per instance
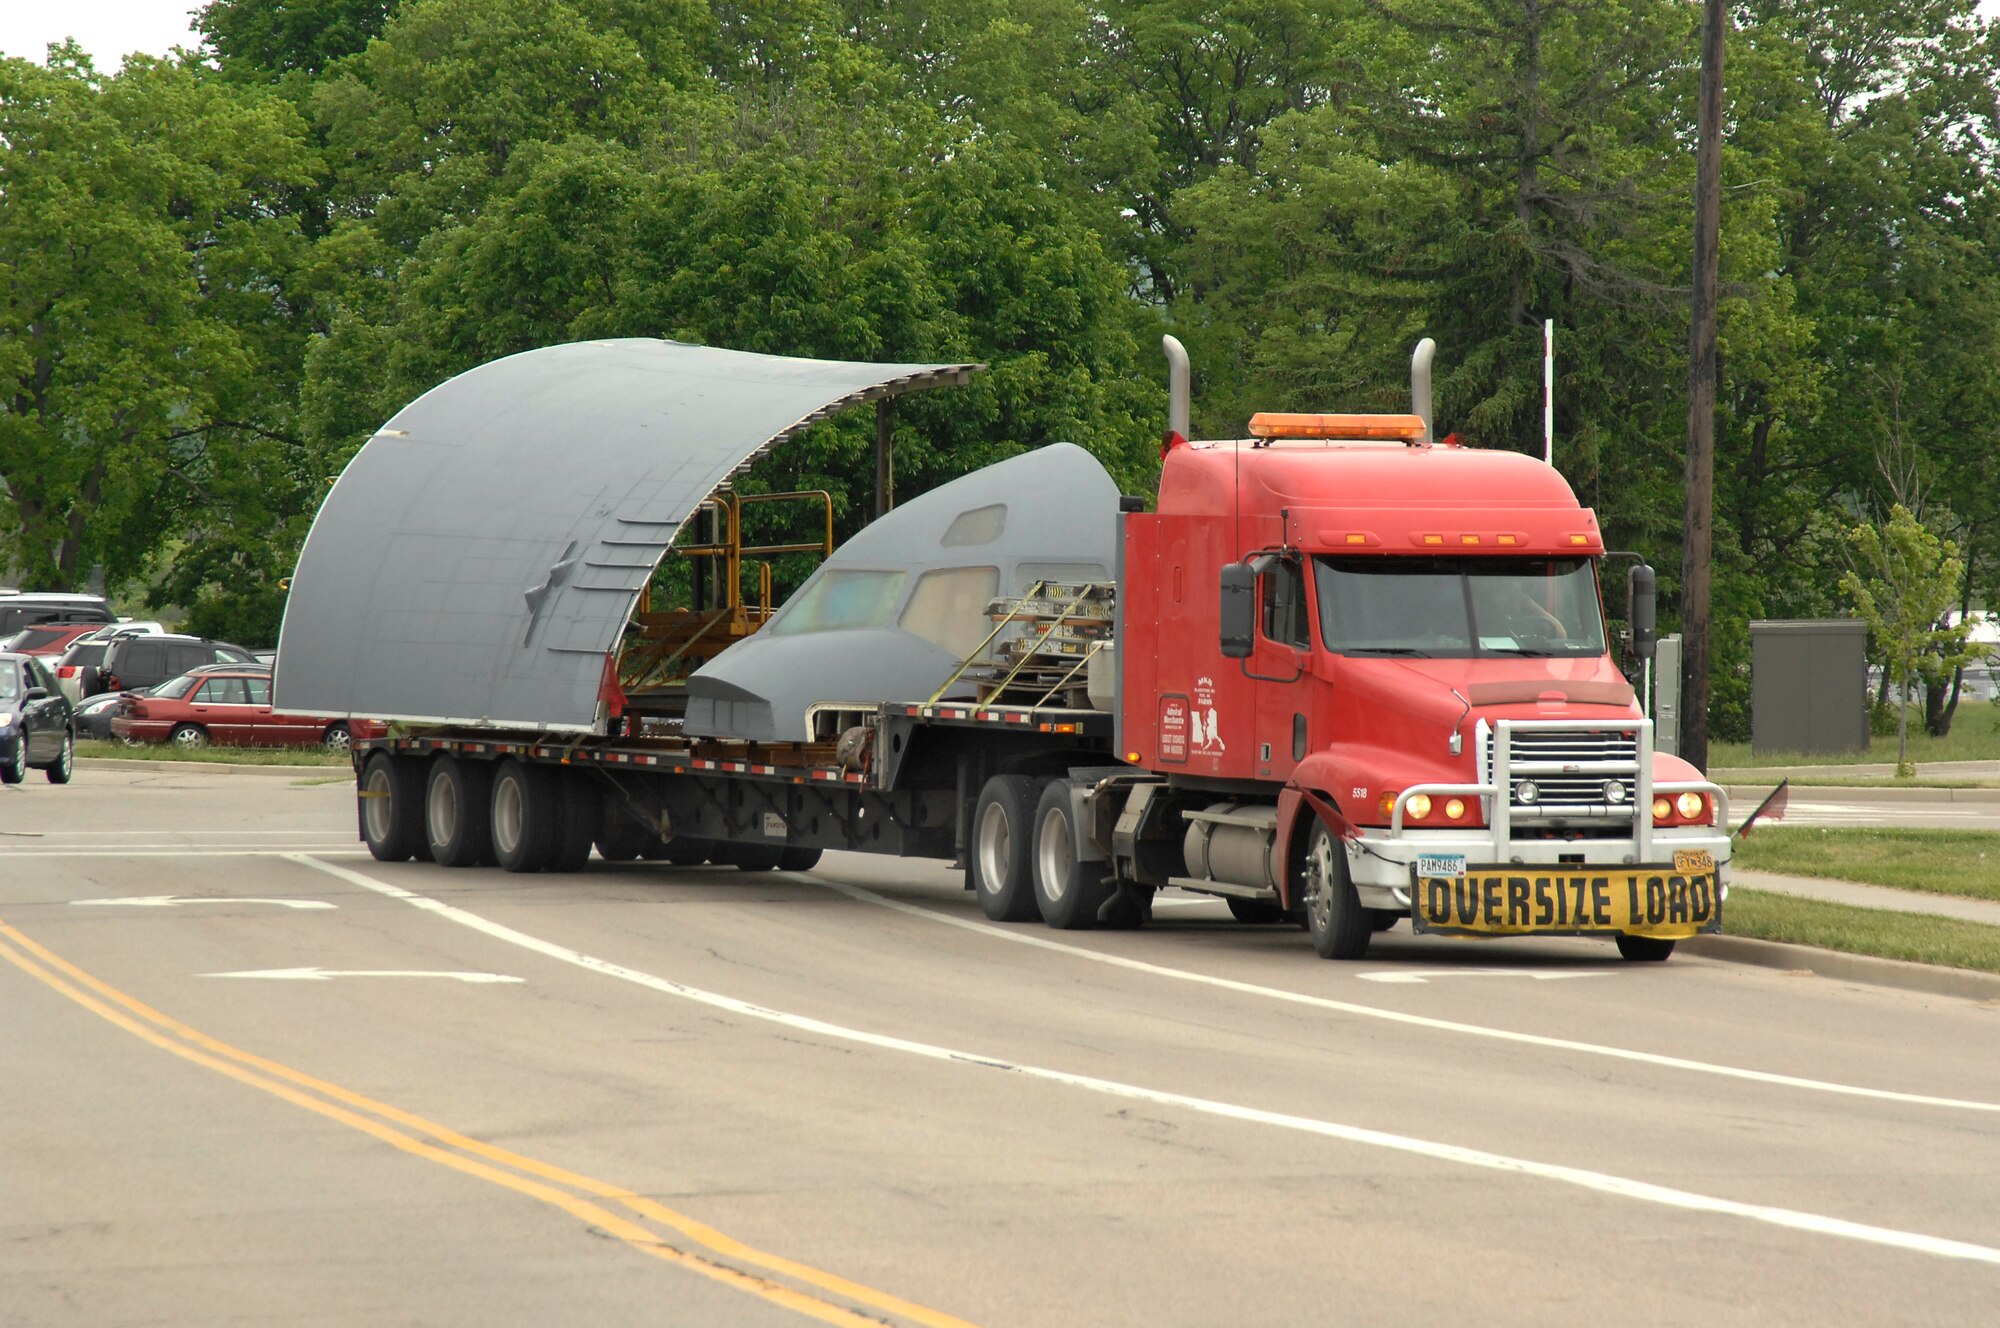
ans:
(132, 662)
(35, 727)
(226, 705)
(94, 716)
(27, 609)
(77, 670)
(47, 638)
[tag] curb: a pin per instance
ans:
(1840, 966)
(213, 767)
(1749, 795)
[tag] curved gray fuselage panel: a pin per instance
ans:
(894, 610)
(483, 552)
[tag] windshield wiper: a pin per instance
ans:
(1523, 650)
(1387, 650)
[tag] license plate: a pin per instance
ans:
(1513, 900)
(1440, 864)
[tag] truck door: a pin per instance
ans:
(1278, 668)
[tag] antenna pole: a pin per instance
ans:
(1549, 390)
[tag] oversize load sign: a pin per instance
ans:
(1517, 900)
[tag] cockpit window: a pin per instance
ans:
(1459, 607)
(841, 598)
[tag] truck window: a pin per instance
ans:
(841, 598)
(1283, 593)
(1459, 607)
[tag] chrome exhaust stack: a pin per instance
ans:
(1420, 384)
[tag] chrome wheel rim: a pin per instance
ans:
(337, 739)
(376, 811)
(996, 850)
(1052, 848)
(189, 739)
(68, 757)
(1319, 884)
(441, 810)
(507, 815)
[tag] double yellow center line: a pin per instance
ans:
(814, 1292)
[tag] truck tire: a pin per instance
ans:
(746, 857)
(578, 823)
(458, 809)
(1068, 890)
(525, 816)
(620, 837)
(390, 794)
(1002, 836)
(1257, 912)
(1644, 949)
(798, 859)
(688, 851)
(1339, 926)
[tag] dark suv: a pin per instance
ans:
(132, 662)
(29, 610)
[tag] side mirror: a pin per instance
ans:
(1238, 614)
(1641, 606)
(37, 694)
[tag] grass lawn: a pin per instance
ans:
(1939, 862)
(1916, 937)
(160, 751)
(1975, 736)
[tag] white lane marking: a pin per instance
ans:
(328, 974)
(1399, 1016)
(307, 831)
(173, 901)
(1601, 1182)
(174, 852)
(1430, 973)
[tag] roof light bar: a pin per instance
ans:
(1278, 424)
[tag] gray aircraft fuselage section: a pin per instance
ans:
(485, 549)
(889, 616)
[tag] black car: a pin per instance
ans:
(36, 728)
(132, 662)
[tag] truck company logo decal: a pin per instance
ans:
(1206, 723)
(1174, 728)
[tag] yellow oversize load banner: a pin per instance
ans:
(1562, 899)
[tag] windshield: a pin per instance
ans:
(1459, 607)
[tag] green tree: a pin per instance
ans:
(1904, 581)
(146, 340)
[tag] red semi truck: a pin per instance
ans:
(1355, 676)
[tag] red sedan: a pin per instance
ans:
(229, 707)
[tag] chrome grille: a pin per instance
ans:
(1569, 767)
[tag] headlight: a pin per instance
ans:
(1419, 805)
(1454, 809)
(6, 721)
(1690, 805)
(1662, 809)
(1614, 792)
(1527, 793)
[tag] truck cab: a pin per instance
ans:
(1376, 671)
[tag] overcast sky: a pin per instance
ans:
(108, 29)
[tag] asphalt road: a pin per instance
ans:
(702, 1097)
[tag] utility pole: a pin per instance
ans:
(1696, 577)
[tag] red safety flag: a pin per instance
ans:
(1771, 809)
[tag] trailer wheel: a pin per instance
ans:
(688, 851)
(746, 857)
(524, 816)
(392, 807)
(1068, 890)
(1644, 949)
(458, 809)
(1257, 912)
(578, 822)
(621, 837)
(1339, 926)
(1002, 836)
(798, 859)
